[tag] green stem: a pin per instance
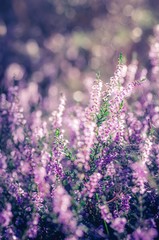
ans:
(106, 227)
(97, 197)
(141, 208)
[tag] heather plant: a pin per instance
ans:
(86, 172)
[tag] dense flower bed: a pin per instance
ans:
(85, 173)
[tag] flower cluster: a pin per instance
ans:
(85, 172)
(61, 206)
(119, 224)
(106, 215)
(92, 184)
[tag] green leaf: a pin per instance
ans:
(104, 112)
(97, 197)
(57, 132)
(121, 104)
(120, 59)
(98, 75)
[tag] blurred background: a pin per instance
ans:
(53, 46)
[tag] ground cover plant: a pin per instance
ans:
(84, 172)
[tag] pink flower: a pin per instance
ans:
(91, 185)
(118, 224)
(6, 215)
(106, 214)
(140, 175)
(141, 234)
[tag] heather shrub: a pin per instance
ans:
(84, 172)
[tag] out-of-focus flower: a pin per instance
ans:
(56, 117)
(91, 185)
(33, 226)
(140, 175)
(119, 224)
(61, 206)
(140, 171)
(3, 164)
(142, 234)
(106, 214)
(6, 215)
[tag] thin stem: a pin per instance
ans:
(106, 227)
(97, 197)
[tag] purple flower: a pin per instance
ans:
(105, 212)
(141, 234)
(118, 224)
(91, 185)
(6, 215)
